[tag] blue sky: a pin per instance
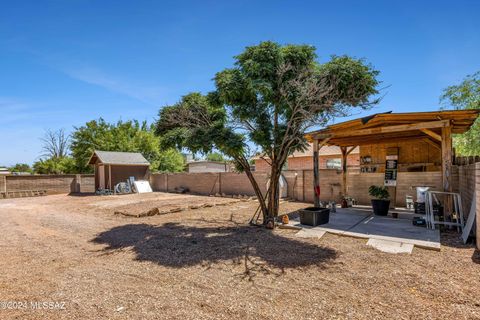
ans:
(63, 63)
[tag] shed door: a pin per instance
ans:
(101, 176)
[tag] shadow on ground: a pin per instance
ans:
(81, 194)
(476, 256)
(176, 245)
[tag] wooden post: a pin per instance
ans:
(316, 178)
(344, 171)
(447, 158)
(110, 177)
(447, 165)
(220, 183)
(316, 173)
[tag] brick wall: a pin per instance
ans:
(466, 181)
(299, 184)
(477, 195)
(261, 166)
(87, 182)
(234, 183)
(158, 182)
(330, 185)
(306, 163)
(52, 183)
(465, 184)
(199, 183)
(358, 184)
(3, 183)
(208, 182)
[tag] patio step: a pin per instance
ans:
(390, 246)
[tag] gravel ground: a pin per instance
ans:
(206, 263)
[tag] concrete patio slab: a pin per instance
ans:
(400, 230)
(390, 246)
(361, 223)
(310, 233)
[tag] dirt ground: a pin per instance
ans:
(90, 263)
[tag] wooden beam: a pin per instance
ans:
(317, 136)
(382, 139)
(447, 167)
(344, 169)
(110, 177)
(350, 150)
(433, 144)
(390, 129)
(316, 178)
(432, 134)
(316, 173)
(447, 158)
(324, 142)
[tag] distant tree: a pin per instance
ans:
(215, 156)
(465, 95)
(54, 157)
(126, 136)
(64, 165)
(269, 99)
(55, 144)
(20, 167)
(170, 160)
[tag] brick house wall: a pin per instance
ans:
(306, 163)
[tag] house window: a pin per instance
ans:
(335, 163)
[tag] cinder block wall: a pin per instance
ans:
(87, 183)
(158, 182)
(52, 183)
(477, 195)
(208, 182)
(330, 185)
(3, 183)
(466, 181)
(407, 179)
(358, 184)
(199, 183)
(299, 184)
(235, 183)
(466, 185)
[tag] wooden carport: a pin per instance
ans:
(435, 128)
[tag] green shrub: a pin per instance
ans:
(379, 192)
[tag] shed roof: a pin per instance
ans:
(118, 158)
(388, 127)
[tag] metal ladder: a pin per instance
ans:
(458, 209)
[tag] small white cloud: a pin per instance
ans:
(146, 94)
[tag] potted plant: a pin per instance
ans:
(381, 203)
(314, 216)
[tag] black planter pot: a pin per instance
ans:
(314, 216)
(380, 207)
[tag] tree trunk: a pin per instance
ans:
(273, 198)
(258, 193)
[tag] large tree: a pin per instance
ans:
(126, 136)
(268, 100)
(465, 95)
